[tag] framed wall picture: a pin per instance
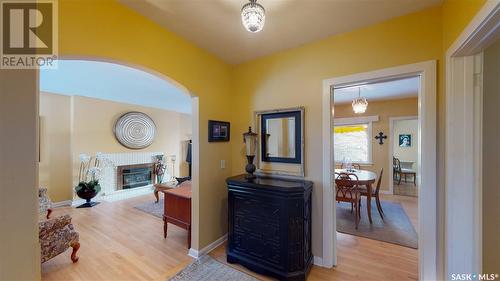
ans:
(218, 131)
(404, 140)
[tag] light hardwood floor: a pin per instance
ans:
(119, 242)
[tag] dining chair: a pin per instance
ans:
(348, 191)
(375, 193)
(403, 172)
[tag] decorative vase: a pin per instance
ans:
(87, 194)
(250, 168)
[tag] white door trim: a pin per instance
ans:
(463, 189)
(391, 148)
(427, 142)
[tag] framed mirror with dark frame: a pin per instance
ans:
(281, 137)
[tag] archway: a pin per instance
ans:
(194, 126)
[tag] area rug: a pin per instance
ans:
(395, 228)
(208, 269)
(152, 208)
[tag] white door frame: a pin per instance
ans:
(391, 148)
(427, 239)
(463, 189)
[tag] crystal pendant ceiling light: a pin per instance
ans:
(253, 16)
(359, 104)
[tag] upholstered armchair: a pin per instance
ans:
(44, 202)
(56, 236)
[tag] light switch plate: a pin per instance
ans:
(222, 164)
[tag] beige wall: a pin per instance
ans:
(491, 159)
(74, 125)
(385, 110)
(406, 127)
(19, 247)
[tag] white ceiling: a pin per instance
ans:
(390, 90)
(215, 25)
(113, 82)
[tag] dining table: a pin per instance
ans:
(366, 178)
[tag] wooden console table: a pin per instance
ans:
(177, 209)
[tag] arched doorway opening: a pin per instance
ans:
(119, 87)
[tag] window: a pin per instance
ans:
(352, 142)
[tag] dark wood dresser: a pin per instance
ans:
(270, 226)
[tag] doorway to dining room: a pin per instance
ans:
(371, 132)
(358, 146)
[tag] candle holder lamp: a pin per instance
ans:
(250, 140)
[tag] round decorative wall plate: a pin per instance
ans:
(135, 130)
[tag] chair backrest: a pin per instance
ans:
(379, 180)
(347, 185)
(396, 164)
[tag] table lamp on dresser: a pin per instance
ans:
(250, 139)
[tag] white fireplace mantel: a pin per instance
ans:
(109, 174)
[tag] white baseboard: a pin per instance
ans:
(197, 254)
(62, 203)
(318, 261)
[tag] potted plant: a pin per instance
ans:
(88, 186)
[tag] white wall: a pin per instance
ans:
(406, 153)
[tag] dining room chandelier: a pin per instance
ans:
(253, 16)
(360, 103)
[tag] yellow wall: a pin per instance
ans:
(55, 171)
(74, 125)
(109, 30)
(456, 15)
(294, 78)
(385, 110)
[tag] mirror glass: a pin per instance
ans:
(281, 137)
(280, 133)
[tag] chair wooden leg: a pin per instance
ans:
(379, 207)
(49, 211)
(352, 204)
(415, 180)
(359, 209)
(356, 218)
(76, 247)
(399, 182)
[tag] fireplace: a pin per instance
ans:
(133, 176)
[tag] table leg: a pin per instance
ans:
(369, 201)
(165, 228)
(189, 237)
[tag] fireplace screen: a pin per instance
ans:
(135, 176)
